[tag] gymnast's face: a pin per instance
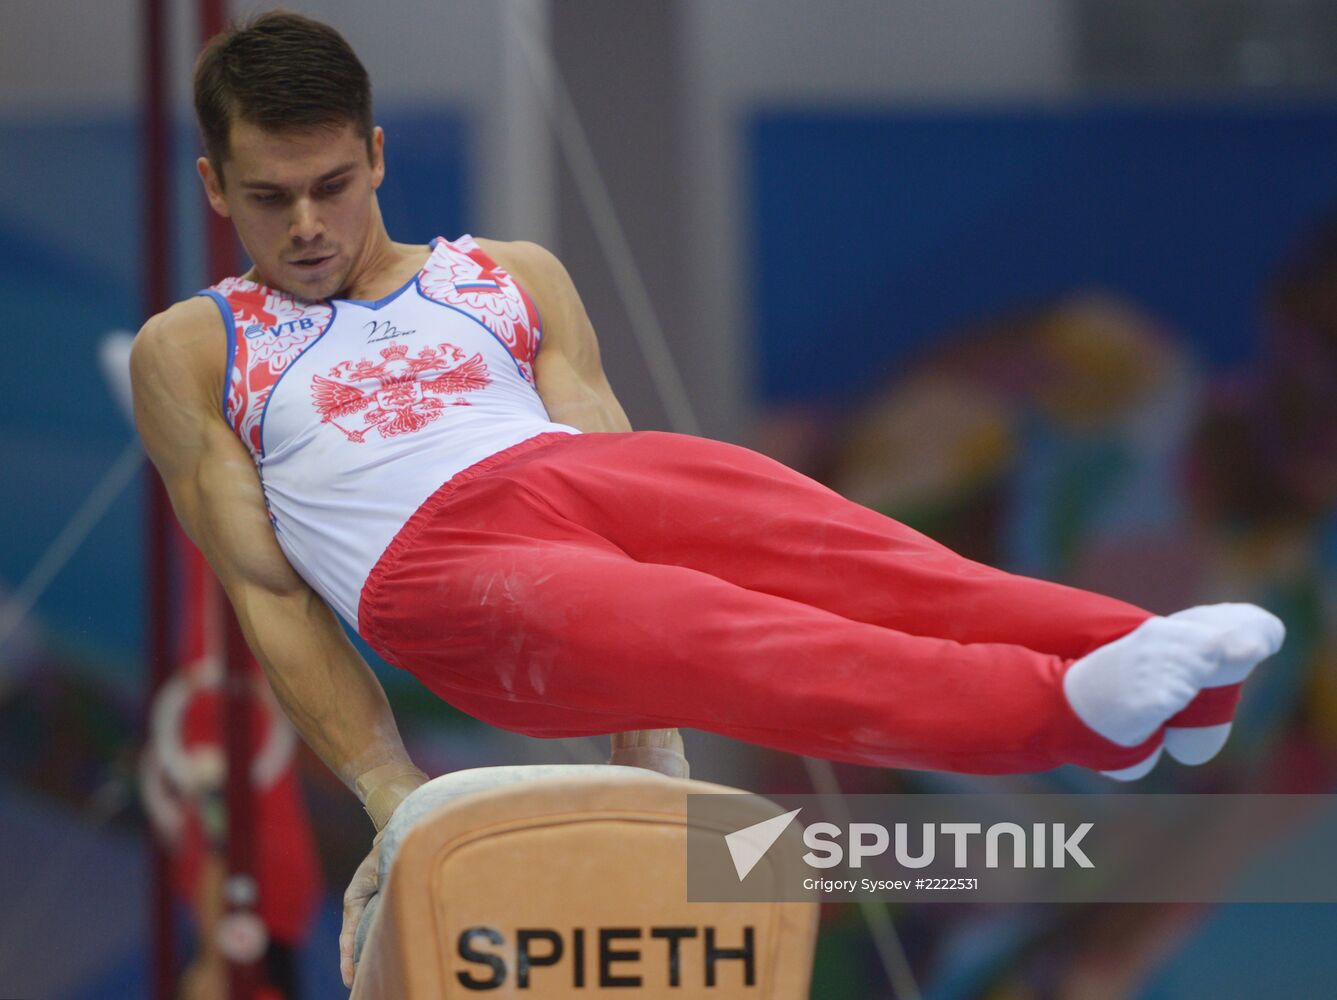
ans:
(303, 202)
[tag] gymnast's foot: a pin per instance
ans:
(1250, 635)
(1128, 689)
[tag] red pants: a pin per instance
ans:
(576, 585)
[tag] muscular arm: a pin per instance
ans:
(571, 382)
(325, 687)
(568, 371)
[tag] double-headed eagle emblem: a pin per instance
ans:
(400, 394)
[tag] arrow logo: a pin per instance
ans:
(748, 845)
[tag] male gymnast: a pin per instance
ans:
(422, 439)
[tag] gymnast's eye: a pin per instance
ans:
(334, 187)
(264, 198)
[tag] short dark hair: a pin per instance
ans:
(279, 70)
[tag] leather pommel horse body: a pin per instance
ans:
(564, 881)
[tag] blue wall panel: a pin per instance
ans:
(873, 233)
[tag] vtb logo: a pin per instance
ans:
(291, 326)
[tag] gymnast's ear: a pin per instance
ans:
(376, 154)
(213, 185)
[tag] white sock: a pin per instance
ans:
(1196, 744)
(1251, 635)
(1248, 634)
(1127, 689)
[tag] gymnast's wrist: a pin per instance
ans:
(382, 789)
(652, 749)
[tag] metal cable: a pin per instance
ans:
(895, 962)
(62, 549)
(608, 229)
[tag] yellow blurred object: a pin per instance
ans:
(1105, 355)
(935, 436)
(1322, 695)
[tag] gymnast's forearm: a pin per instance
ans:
(330, 694)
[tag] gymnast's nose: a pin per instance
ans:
(305, 226)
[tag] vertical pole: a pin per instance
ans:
(520, 192)
(220, 244)
(240, 889)
(157, 291)
(240, 892)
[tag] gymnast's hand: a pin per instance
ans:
(365, 884)
(653, 749)
(381, 790)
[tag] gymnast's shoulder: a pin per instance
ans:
(181, 351)
(536, 268)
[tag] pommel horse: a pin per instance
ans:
(565, 881)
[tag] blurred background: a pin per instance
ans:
(1052, 280)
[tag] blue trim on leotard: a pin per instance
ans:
(273, 389)
(468, 315)
(229, 324)
(385, 300)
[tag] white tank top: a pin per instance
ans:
(357, 412)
